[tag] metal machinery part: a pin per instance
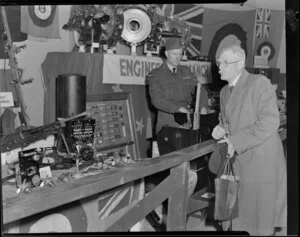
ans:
(176, 26)
(87, 152)
(105, 17)
(70, 95)
(137, 26)
(107, 27)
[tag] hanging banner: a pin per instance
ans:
(269, 26)
(40, 21)
(122, 69)
(222, 28)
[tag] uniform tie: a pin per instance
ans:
(231, 89)
(174, 70)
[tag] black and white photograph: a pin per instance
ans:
(159, 118)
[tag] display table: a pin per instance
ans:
(82, 205)
(23, 210)
(26, 209)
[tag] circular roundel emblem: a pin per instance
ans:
(42, 15)
(266, 49)
(71, 217)
(228, 34)
(52, 223)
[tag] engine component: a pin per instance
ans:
(137, 26)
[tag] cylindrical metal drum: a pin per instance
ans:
(70, 95)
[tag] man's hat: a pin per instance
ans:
(173, 43)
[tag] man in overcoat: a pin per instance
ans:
(248, 123)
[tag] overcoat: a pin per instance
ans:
(250, 115)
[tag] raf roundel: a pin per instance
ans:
(42, 15)
(266, 49)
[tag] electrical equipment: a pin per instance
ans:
(114, 126)
(78, 132)
(110, 127)
(28, 168)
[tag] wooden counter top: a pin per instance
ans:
(18, 206)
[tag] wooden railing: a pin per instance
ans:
(25, 205)
(173, 188)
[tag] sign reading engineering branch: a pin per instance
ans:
(122, 69)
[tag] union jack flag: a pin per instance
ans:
(262, 22)
(192, 14)
(116, 199)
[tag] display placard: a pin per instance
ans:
(6, 99)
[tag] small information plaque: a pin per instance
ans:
(6, 99)
(260, 62)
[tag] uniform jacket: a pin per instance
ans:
(169, 92)
(251, 116)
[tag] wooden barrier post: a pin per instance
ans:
(177, 205)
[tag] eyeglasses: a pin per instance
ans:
(225, 63)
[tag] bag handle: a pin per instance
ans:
(228, 164)
(222, 149)
(228, 168)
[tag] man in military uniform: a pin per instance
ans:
(171, 86)
(171, 89)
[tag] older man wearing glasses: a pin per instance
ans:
(248, 123)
